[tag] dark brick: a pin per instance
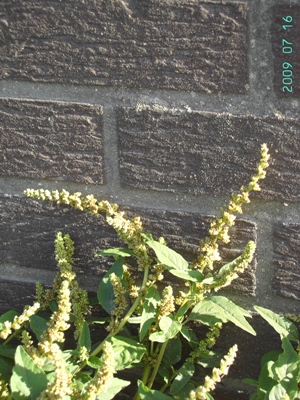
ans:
(185, 45)
(206, 153)
(51, 140)
(286, 50)
(16, 295)
(286, 281)
(29, 227)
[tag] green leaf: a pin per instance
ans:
(7, 351)
(184, 393)
(94, 362)
(287, 367)
(8, 316)
(168, 257)
(126, 351)
(265, 381)
(183, 376)
(85, 336)
(148, 394)
(147, 236)
(114, 386)
(282, 325)
(172, 353)
(38, 325)
(105, 292)
(169, 329)
(188, 275)
(28, 380)
(221, 309)
(6, 366)
(117, 252)
(277, 392)
(149, 311)
(209, 359)
(250, 381)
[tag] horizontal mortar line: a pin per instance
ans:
(257, 210)
(13, 273)
(113, 96)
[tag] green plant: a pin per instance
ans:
(280, 370)
(145, 325)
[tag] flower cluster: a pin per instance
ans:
(119, 293)
(217, 374)
(48, 347)
(128, 230)
(18, 321)
(4, 391)
(167, 304)
(207, 343)
(209, 248)
(64, 251)
(103, 375)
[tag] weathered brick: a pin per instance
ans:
(186, 45)
(15, 295)
(205, 152)
(286, 281)
(29, 227)
(51, 140)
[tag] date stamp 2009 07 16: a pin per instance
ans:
(285, 43)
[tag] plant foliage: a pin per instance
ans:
(144, 327)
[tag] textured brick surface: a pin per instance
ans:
(286, 280)
(169, 45)
(51, 140)
(29, 228)
(15, 295)
(208, 153)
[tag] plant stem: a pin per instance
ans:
(123, 322)
(157, 365)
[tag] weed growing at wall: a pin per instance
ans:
(280, 369)
(145, 327)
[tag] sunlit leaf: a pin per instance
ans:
(28, 379)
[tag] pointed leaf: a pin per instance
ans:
(188, 275)
(85, 336)
(114, 386)
(148, 394)
(38, 325)
(119, 252)
(183, 376)
(219, 308)
(168, 257)
(282, 325)
(105, 292)
(234, 313)
(126, 351)
(28, 380)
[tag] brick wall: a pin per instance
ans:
(160, 106)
